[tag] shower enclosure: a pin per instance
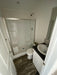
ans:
(22, 33)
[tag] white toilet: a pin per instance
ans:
(30, 53)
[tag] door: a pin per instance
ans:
(51, 56)
(4, 30)
(4, 57)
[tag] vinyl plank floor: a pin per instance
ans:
(24, 66)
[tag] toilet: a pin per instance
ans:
(30, 53)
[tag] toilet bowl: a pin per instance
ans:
(30, 53)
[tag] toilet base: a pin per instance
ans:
(30, 57)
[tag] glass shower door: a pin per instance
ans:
(21, 34)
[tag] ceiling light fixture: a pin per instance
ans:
(12, 19)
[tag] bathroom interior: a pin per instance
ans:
(27, 28)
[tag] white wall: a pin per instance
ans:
(43, 15)
(51, 23)
(42, 12)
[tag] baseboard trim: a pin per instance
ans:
(19, 55)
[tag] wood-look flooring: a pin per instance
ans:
(24, 66)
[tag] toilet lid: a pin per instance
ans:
(30, 51)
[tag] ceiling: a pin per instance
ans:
(13, 4)
(25, 8)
